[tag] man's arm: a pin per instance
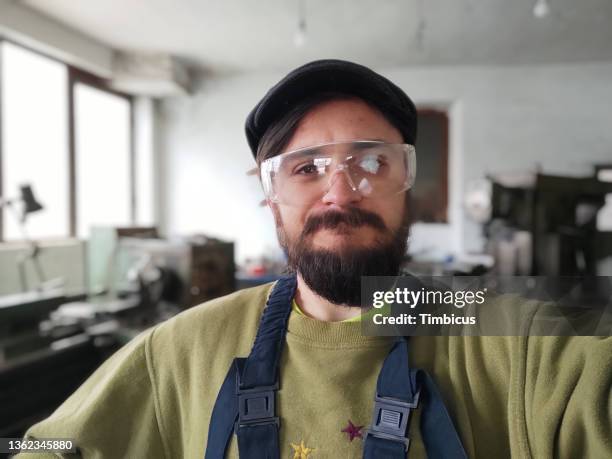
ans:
(113, 414)
(568, 399)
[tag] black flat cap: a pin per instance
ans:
(337, 76)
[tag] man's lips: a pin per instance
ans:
(341, 228)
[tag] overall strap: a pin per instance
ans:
(247, 399)
(398, 392)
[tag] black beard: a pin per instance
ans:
(336, 275)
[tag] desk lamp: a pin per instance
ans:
(29, 205)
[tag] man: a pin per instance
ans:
(333, 141)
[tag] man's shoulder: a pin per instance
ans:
(241, 302)
(235, 315)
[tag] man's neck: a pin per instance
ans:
(319, 308)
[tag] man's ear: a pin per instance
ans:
(252, 172)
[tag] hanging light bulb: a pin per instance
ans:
(300, 34)
(541, 9)
(421, 25)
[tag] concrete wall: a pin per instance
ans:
(502, 119)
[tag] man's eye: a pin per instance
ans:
(306, 169)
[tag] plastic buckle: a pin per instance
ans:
(390, 419)
(256, 406)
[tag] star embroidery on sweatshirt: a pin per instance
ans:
(353, 431)
(301, 451)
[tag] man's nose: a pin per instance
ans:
(341, 189)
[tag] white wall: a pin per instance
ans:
(502, 119)
(204, 160)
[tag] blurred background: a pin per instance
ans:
(125, 195)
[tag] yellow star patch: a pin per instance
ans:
(301, 451)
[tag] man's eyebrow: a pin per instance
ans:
(315, 150)
(308, 150)
(365, 144)
(360, 144)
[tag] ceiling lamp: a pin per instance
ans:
(300, 34)
(541, 9)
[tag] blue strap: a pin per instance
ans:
(259, 442)
(376, 447)
(439, 434)
(396, 379)
(261, 367)
(246, 402)
(398, 392)
(223, 417)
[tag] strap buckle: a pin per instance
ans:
(256, 406)
(390, 419)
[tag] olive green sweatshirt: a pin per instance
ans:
(509, 396)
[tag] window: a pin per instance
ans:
(102, 158)
(34, 140)
(65, 133)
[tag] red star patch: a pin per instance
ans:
(353, 431)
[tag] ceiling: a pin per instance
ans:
(246, 35)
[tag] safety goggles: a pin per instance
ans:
(373, 169)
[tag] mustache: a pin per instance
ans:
(353, 216)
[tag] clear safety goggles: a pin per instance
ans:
(373, 169)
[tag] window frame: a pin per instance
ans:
(75, 75)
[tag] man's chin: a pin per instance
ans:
(335, 274)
